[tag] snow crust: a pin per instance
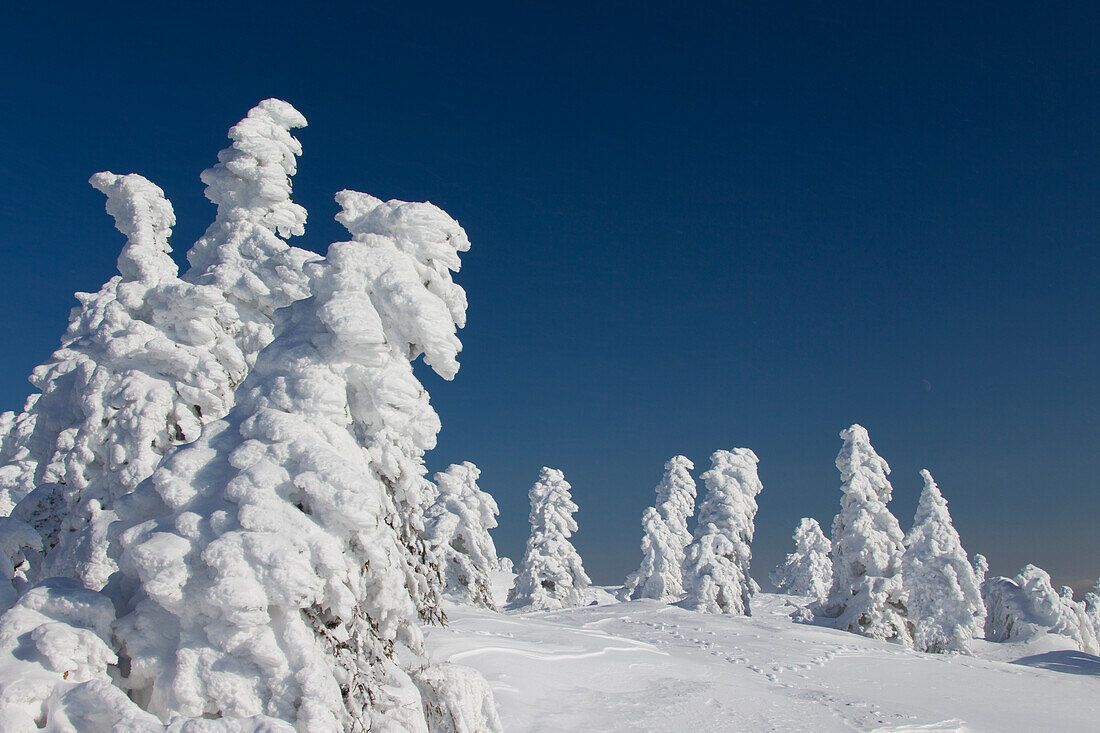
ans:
(647, 666)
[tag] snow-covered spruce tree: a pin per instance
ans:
(808, 571)
(665, 536)
(1027, 606)
(144, 363)
(550, 575)
(273, 566)
(980, 566)
(943, 595)
(244, 252)
(867, 596)
(457, 525)
(716, 569)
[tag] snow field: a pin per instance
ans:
(646, 666)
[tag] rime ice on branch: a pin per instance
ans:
(867, 595)
(716, 570)
(550, 575)
(944, 599)
(808, 571)
(666, 536)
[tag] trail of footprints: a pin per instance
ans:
(859, 712)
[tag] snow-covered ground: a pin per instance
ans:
(646, 666)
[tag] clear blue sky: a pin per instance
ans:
(725, 225)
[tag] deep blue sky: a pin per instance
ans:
(693, 229)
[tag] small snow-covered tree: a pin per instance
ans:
(276, 562)
(716, 568)
(550, 575)
(867, 596)
(665, 536)
(1092, 609)
(944, 599)
(808, 571)
(981, 568)
(1027, 606)
(457, 525)
(1078, 611)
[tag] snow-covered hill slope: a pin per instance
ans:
(645, 666)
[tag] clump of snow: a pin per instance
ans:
(808, 571)
(944, 600)
(716, 568)
(55, 651)
(867, 596)
(550, 575)
(16, 538)
(457, 699)
(457, 525)
(665, 536)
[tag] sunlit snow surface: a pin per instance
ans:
(646, 666)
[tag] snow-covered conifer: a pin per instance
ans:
(550, 575)
(244, 253)
(867, 596)
(457, 525)
(1078, 611)
(145, 361)
(665, 536)
(943, 596)
(1092, 609)
(808, 571)
(275, 563)
(716, 568)
(981, 568)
